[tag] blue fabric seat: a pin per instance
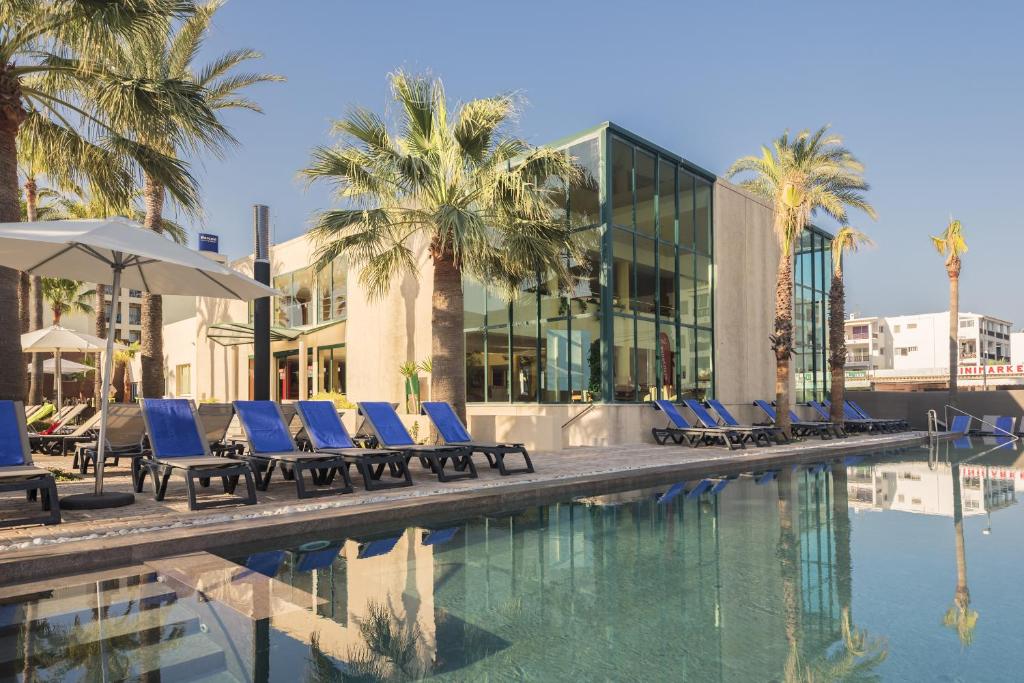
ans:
(270, 445)
(17, 473)
(178, 445)
(898, 424)
(391, 433)
(854, 423)
(826, 430)
(681, 431)
(453, 432)
(327, 434)
(759, 436)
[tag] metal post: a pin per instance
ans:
(261, 307)
(108, 370)
(57, 377)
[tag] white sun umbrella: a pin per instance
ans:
(56, 339)
(119, 253)
(67, 367)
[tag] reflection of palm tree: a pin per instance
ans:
(789, 567)
(960, 616)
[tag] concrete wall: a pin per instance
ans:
(746, 259)
(914, 406)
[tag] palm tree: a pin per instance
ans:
(454, 182)
(66, 296)
(41, 70)
(960, 616)
(123, 366)
(847, 239)
(188, 124)
(951, 244)
(800, 176)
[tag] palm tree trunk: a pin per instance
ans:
(782, 341)
(12, 375)
(954, 328)
(152, 304)
(789, 569)
(101, 332)
(844, 556)
(837, 345)
(448, 343)
(34, 302)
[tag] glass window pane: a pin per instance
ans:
(705, 276)
(474, 303)
(686, 238)
(323, 293)
(646, 276)
(687, 362)
(282, 302)
(667, 201)
(705, 361)
(646, 360)
(339, 276)
(702, 217)
(622, 183)
(558, 196)
(497, 308)
(585, 358)
(668, 366)
(622, 270)
(667, 282)
(476, 371)
(497, 364)
(586, 295)
(552, 303)
(524, 306)
(555, 351)
(302, 287)
(622, 351)
(645, 193)
(687, 291)
(584, 195)
(524, 355)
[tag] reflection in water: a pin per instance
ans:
(960, 616)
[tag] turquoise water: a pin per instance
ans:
(850, 573)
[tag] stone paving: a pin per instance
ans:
(566, 467)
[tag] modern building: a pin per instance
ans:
(912, 351)
(675, 298)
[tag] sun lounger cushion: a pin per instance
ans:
(12, 448)
(447, 422)
(386, 423)
(726, 416)
(323, 426)
(673, 413)
(960, 424)
(703, 416)
(267, 433)
(172, 428)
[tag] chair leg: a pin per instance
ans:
(298, 473)
(250, 486)
(190, 487)
(50, 500)
(161, 489)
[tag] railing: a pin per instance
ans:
(933, 427)
(579, 415)
(995, 430)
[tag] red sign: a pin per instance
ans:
(980, 370)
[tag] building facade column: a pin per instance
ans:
(303, 371)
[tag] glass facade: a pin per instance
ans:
(310, 298)
(638, 324)
(812, 278)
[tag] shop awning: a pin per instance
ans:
(236, 334)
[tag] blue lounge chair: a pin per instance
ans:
(17, 473)
(178, 445)
(680, 430)
(327, 434)
(762, 432)
(392, 435)
(903, 425)
(879, 425)
(999, 425)
(271, 445)
(856, 423)
(737, 435)
(960, 424)
(454, 433)
(826, 430)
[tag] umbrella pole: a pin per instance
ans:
(57, 384)
(108, 370)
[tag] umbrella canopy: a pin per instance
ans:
(119, 253)
(67, 367)
(56, 339)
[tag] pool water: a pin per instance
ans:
(893, 567)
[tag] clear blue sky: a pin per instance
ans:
(929, 95)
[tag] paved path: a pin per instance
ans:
(572, 471)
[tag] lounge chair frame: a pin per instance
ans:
(194, 468)
(370, 463)
(433, 458)
(691, 436)
(494, 452)
(322, 467)
(128, 447)
(768, 433)
(759, 436)
(36, 482)
(216, 420)
(825, 430)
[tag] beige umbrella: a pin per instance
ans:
(56, 339)
(67, 367)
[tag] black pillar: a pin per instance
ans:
(261, 307)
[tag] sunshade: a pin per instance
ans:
(67, 367)
(119, 253)
(56, 339)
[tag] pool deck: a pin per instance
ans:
(100, 539)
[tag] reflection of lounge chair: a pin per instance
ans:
(327, 434)
(376, 548)
(826, 430)
(267, 562)
(392, 434)
(178, 444)
(439, 536)
(756, 435)
(680, 430)
(216, 419)
(454, 433)
(317, 558)
(271, 445)
(898, 423)
(17, 473)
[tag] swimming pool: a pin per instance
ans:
(863, 569)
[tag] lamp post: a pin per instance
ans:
(261, 307)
